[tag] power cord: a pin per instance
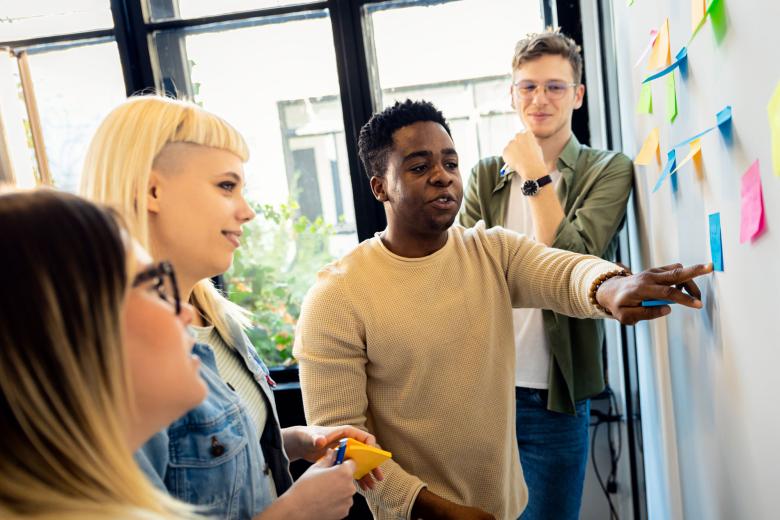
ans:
(611, 418)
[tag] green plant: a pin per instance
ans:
(280, 255)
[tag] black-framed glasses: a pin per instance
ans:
(164, 283)
(552, 89)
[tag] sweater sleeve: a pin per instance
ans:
(330, 346)
(548, 278)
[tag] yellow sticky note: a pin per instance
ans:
(695, 150)
(773, 111)
(662, 52)
(366, 457)
(649, 149)
(645, 104)
(698, 10)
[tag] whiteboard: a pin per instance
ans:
(709, 379)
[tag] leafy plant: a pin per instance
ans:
(277, 263)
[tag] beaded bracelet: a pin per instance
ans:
(597, 283)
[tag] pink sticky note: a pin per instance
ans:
(752, 224)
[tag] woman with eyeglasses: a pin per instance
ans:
(176, 172)
(91, 366)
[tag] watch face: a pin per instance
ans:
(530, 188)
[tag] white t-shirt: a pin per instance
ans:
(532, 349)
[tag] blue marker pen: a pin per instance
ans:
(504, 170)
(342, 450)
(656, 303)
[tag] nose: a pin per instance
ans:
(245, 211)
(187, 313)
(440, 176)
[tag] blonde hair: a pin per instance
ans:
(65, 394)
(119, 163)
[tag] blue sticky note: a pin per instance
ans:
(724, 124)
(716, 246)
(671, 162)
(724, 116)
(691, 139)
(671, 156)
(656, 303)
(681, 61)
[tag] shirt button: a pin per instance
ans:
(266, 469)
(217, 449)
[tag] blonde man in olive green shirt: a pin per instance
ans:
(568, 196)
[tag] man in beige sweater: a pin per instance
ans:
(410, 336)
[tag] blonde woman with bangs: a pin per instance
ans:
(91, 366)
(177, 172)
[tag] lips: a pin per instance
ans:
(234, 237)
(444, 201)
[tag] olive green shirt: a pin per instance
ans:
(593, 190)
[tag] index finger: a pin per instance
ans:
(682, 274)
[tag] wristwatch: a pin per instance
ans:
(531, 187)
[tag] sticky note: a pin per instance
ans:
(671, 98)
(773, 111)
(752, 222)
(630, 3)
(717, 15)
(716, 246)
(661, 54)
(649, 148)
(680, 61)
(695, 149)
(645, 105)
(698, 8)
(723, 119)
(653, 36)
(671, 161)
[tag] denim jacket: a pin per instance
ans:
(213, 456)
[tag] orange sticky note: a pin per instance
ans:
(695, 150)
(649, 149)
(698, 10)
(662, 52)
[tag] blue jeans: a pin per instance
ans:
(554, 454)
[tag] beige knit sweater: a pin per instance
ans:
(420, 352)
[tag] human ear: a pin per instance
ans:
(378, 188)
(153, 191)
(579, 95)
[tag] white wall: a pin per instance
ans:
(708, 378)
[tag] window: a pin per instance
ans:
(187, 9)
(21, 20)
(60, 73)
(467, 78)
(275, 79)
(75, 88)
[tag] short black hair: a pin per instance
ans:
(376, 136)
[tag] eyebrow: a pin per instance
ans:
(238, 178)
(426, 153)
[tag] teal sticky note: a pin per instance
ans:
(716, 245)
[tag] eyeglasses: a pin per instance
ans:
(164, 283)
(552, 89)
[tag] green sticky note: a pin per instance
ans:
(630, 3)
(717, 11)
(671, 98)
(645, 105)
